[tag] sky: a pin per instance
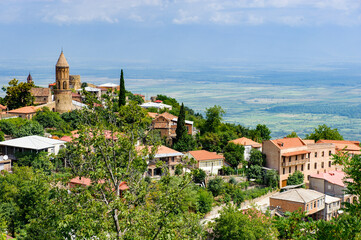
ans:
(173, 32)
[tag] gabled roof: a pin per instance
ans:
(334, 177)
(352, 146)
(300, 195)
(24, 110)
(285, 143)
(246, 142)
(62, 61)
(202, 155)
(32, 142)
(162, 151)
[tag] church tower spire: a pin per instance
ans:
(63, 98)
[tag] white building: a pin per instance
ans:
(248, 145)
(210, 162)
(156, 105)
(31, 144)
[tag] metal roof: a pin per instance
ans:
(32, 142)
(299, 195)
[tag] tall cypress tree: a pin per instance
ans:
(121, 90)
(181, 124)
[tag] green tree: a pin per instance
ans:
(28, 129)
(214, 116)
(271, 178)
(345, 226)
(199, 175)
(263, 131)
(351, 167)
(2, 136)
(292, 135)
(294, 225)
(73, 118)
(49, 119)
(210, 141)
(256, 158)
(122, 91)
(295, 178)
(18, 94)
(234, 154)
(38, 161)
(215, 186)
(247, 224)
(204, 201)
(181, 129)
(324, 132)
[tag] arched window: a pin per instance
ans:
(64, 85)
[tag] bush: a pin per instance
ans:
(271, 179)
(295, 178)
(199, 175)
(215, 186)
(228, 170)
(204, 201)
(232, 180)
(256, 192)
(238, 197)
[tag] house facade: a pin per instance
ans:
(332, 183)
(210, 162)
(41, 95)
(332, 207)
(248, 146)
(30, 144)
(309, 201)
(288, 155)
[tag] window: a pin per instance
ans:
(315, 154)
(296, 157)
(314, 204)
(329, 163)
(318, 203)
(307, 207)
(323, 153)
(315, 165)
(284, 159)
(329, 187)
(172, 159)
(308, 167)
(284, 170)
(295, 168)
(301, 167)
(329, 153)
(322, 165)
(311, 206)
(289, 170)
(302, 156)
(309, 154)
(172, 167)
(289, 159)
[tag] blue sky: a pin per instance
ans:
(161, 32)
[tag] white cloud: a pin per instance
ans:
(251, 12)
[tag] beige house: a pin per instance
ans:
(288, 155)
(332, 207)
(24, 112)
(210, 162)
(309, 201)
(352, 147)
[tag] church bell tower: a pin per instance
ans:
(63, 97)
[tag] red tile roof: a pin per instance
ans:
(24, 110)
(334, 177)
(2, 107)
(201, 155)
(87, 182)
(351, 146)
(285, 143)
(295, 153)
(246, 142)
(40, 92)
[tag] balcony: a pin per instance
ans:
(294, 162)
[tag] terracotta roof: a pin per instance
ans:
(341, 144)
(75, 135)
(87, 182)
(298, 195)
(24, 110)
(202, 155)
(137, 94)
(308, 141)
(40, 92)
(52, 84)
(62, 61)
(334, 177)
(2, 107)
(166, 115)
(162, 151)
(152, 115)
(284, 143)
(246, 142)
(295, 153)
(158, 101)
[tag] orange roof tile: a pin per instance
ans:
(295, 153)
(152, 115)
(201, 155)
(24, 110)
(246, 142)
(2, 107)
(285, 143)
(308, 141)
(352, 146)
(87, 182)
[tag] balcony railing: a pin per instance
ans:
(294, 162)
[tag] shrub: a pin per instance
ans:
(227, 170)
(238, 197)
(199, 175)
(295, 178)
(215, 186)
(233, 181)
(204, 201)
